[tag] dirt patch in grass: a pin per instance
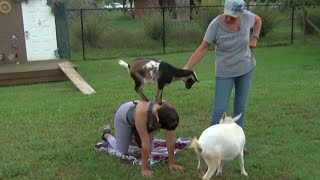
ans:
(68, 170)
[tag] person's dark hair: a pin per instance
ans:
(168, 117)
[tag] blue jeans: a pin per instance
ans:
(223, 90)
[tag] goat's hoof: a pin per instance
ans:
(219, 173)
(244, 173)
(245, 152)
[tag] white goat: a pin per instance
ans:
(220, 142)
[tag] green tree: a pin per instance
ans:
(301, 2)
(211, 2)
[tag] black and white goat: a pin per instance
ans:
(152, 71)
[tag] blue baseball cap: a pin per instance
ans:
(233, 7)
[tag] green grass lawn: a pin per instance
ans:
(48, 130)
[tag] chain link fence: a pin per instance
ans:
(116, 33)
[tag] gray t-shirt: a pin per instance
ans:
(233, 54)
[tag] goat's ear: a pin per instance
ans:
(195, 76)
(236, 118)
(157, 117)
(224, 116)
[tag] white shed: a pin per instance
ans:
(39, 30)
(28, 31)
(33, 41)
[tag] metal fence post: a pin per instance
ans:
(82, 36)
(292, 24)
(163, 32)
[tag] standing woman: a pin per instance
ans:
(230, 33)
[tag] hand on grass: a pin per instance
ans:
(175, 167)
(147, 173)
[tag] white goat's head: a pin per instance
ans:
(228, 120)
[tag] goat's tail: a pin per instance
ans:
(195, 145)
(124, 64)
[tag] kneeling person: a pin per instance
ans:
(146, 118)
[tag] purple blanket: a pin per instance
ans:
(158, 154)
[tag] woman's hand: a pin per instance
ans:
(147, 173)
(197, 55)
(140, 123)
(253, 43)
(175, 167)
(256, 32)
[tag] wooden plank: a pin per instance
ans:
(75, 78)
(31, 74)
(31, 69)
(31, 66)
(33, 80)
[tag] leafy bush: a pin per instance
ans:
(269, 19)
(119, 39)
(184, 34)
(313, 16)
(210, 2)
(94, 25)
(204, 15)
(153, 25)
(74, 33)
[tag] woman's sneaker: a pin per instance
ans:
(106, 129)
(101, 146)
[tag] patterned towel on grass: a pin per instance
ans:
(158, 154)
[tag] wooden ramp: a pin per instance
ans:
(32, 72)
(75, 78)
